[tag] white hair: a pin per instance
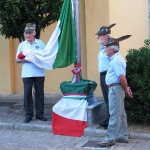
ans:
(114, 47)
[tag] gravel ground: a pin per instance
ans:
(139, 127)
(136, 128)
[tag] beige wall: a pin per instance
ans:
(6, 67)
(131, 18)
(97, 14)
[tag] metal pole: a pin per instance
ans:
(77, 75)
(77, 25)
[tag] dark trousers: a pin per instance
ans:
(38, 83)
(105, 111)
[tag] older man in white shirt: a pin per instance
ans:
(118, 87)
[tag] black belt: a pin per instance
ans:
(114, 84)
(103, 73)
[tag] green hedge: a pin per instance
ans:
(138, 76)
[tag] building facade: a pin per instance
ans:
(131, 17)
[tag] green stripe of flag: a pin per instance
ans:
(67, 39)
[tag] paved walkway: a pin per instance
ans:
(12, 126)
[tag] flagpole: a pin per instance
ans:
(77, 74)
(77, 24)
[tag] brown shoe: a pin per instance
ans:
(121, 140)
(106, 143)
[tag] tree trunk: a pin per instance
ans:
(37, 36)
(38, 33)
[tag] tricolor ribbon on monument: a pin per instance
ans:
(69, 116)
(76, 73)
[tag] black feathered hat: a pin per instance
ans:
(115, 41)
(105, 30)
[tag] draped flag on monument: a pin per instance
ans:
(60, 51)
(69, 115)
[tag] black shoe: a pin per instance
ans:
(121, 140)
(27, 120)
(103, 125)
(41, 118)
(105, 128)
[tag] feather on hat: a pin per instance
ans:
(105, 30)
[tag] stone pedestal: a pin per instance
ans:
(93, 111)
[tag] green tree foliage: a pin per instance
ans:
(138, 76)
(14, 14)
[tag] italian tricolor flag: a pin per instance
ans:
(60, 51)
(69, 115)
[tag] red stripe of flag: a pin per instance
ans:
(65, 126)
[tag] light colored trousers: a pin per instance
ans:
(117, 127)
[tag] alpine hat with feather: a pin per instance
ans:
(105, 30)
(115, 41)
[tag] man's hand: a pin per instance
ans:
(20, 60)
(128, 92)
(124, 84)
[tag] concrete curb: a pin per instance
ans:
(8, 126)
(48, 128)
(139, 136)
(27, 127)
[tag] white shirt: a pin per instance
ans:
(103, 60)
(29, 69)
(117, 67)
